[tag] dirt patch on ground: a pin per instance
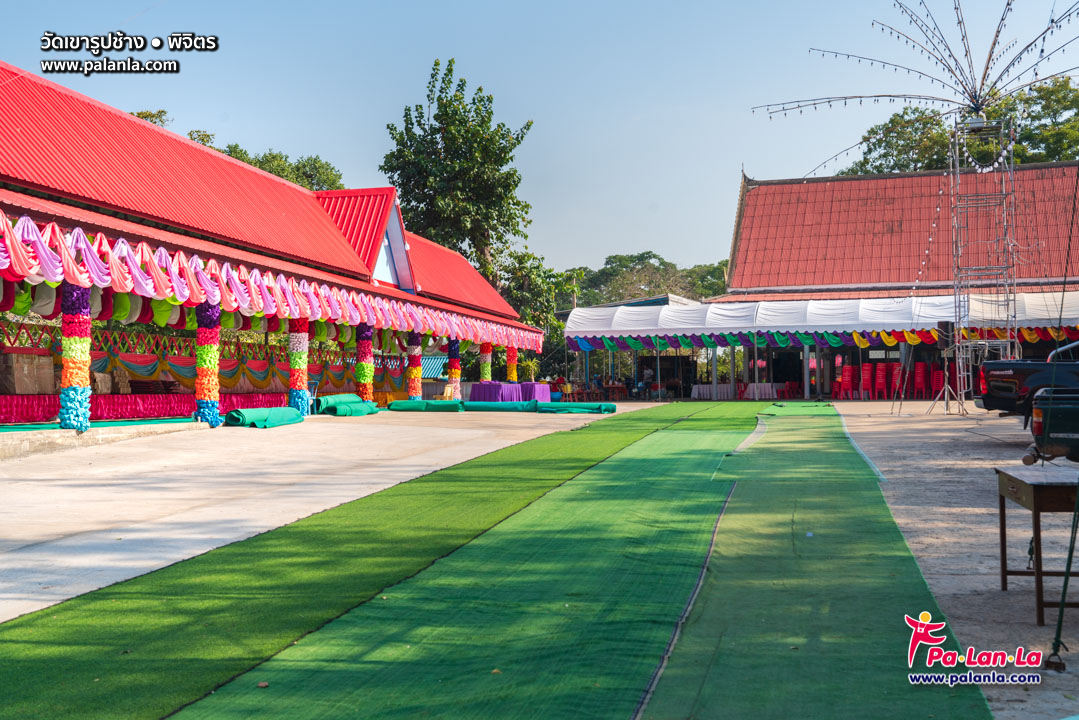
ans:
(942, 490)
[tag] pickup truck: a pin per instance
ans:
(1010, 385)
(1055, 425)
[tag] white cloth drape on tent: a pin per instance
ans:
(863, 315)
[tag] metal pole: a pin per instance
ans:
(805, 372)
(734, 380)
(659, 385)
(715, 374)
(756, 371)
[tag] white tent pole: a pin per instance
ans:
(715, 373)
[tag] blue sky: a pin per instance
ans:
(641, 110)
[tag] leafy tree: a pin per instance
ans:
(910, 140)
(202, 137)
(315, 173)
(157, 117)
(1047, 118)
(452, 165)
(707, 280)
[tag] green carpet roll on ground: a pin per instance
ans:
(801, 612)
(560, 611)
(145, 647)
(522, 406)
(335, 404)
(263, 417)
(426, 406)
(561, 407)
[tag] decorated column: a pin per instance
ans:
(365, 363)
(298, 397)
(207, 360)
(414, 372)
(485, 361)
(75, 360)
(453, 353)
(511, 364)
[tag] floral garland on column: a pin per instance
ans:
(511, 364)
(365, 363)
(207, 360)
(298, 397)
(414, 373)
(75, 360)
(453, 353)
(485, 361)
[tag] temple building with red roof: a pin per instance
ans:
(860, 268)
(105, 217)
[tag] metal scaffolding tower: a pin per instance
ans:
(984, 249)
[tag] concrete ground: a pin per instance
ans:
(942, 490)
(78, 519)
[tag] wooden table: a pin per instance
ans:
(1038, 489)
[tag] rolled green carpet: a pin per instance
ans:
(323, 402)
(561, 407)
(353, 409)
(263, 417)
(525, 406)
(426, 406)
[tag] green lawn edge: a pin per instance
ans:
(150, 645)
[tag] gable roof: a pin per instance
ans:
(443, 274)
(829, 237)
(57, 141)
(361, 216)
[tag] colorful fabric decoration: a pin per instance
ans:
(298, 396)
(207, 361)
(485, 359)
(75, 358)
(414, 373)
(453, 354)
(365, 363)
(511, 364)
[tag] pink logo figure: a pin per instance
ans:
(922, 633)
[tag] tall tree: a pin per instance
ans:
(314, 173)
(452, 165)
(1047, 118)
(157, 117)
(202, 137)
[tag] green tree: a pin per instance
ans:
(1046, 117)
(202, 137)
(315, 173)
(452, 165)
(910, 140)
(157, 117)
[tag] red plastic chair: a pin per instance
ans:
(936, 382)
(742, 390)
(898, 388)
(880, 381)
(849, 385)
(867, 382)
(837, 388)
(921, 389)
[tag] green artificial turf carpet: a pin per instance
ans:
(561, 611)
(801, 613)
(147, 646)
(26, 427)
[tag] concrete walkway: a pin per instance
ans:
(943, 493)
(80, 519)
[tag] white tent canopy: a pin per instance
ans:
(862, 315)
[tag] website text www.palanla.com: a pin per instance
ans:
(108, 65)
(974, 678)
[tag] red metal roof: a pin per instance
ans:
(55, 140)
(17, 204)
(361, 216)
(444, 274)
(867, 235)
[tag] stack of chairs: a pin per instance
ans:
(867, 382)
(921, 387)
(880, 381)
(898, 388)
(849, 383)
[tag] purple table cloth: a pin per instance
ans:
(536, 391)
(495, 392)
